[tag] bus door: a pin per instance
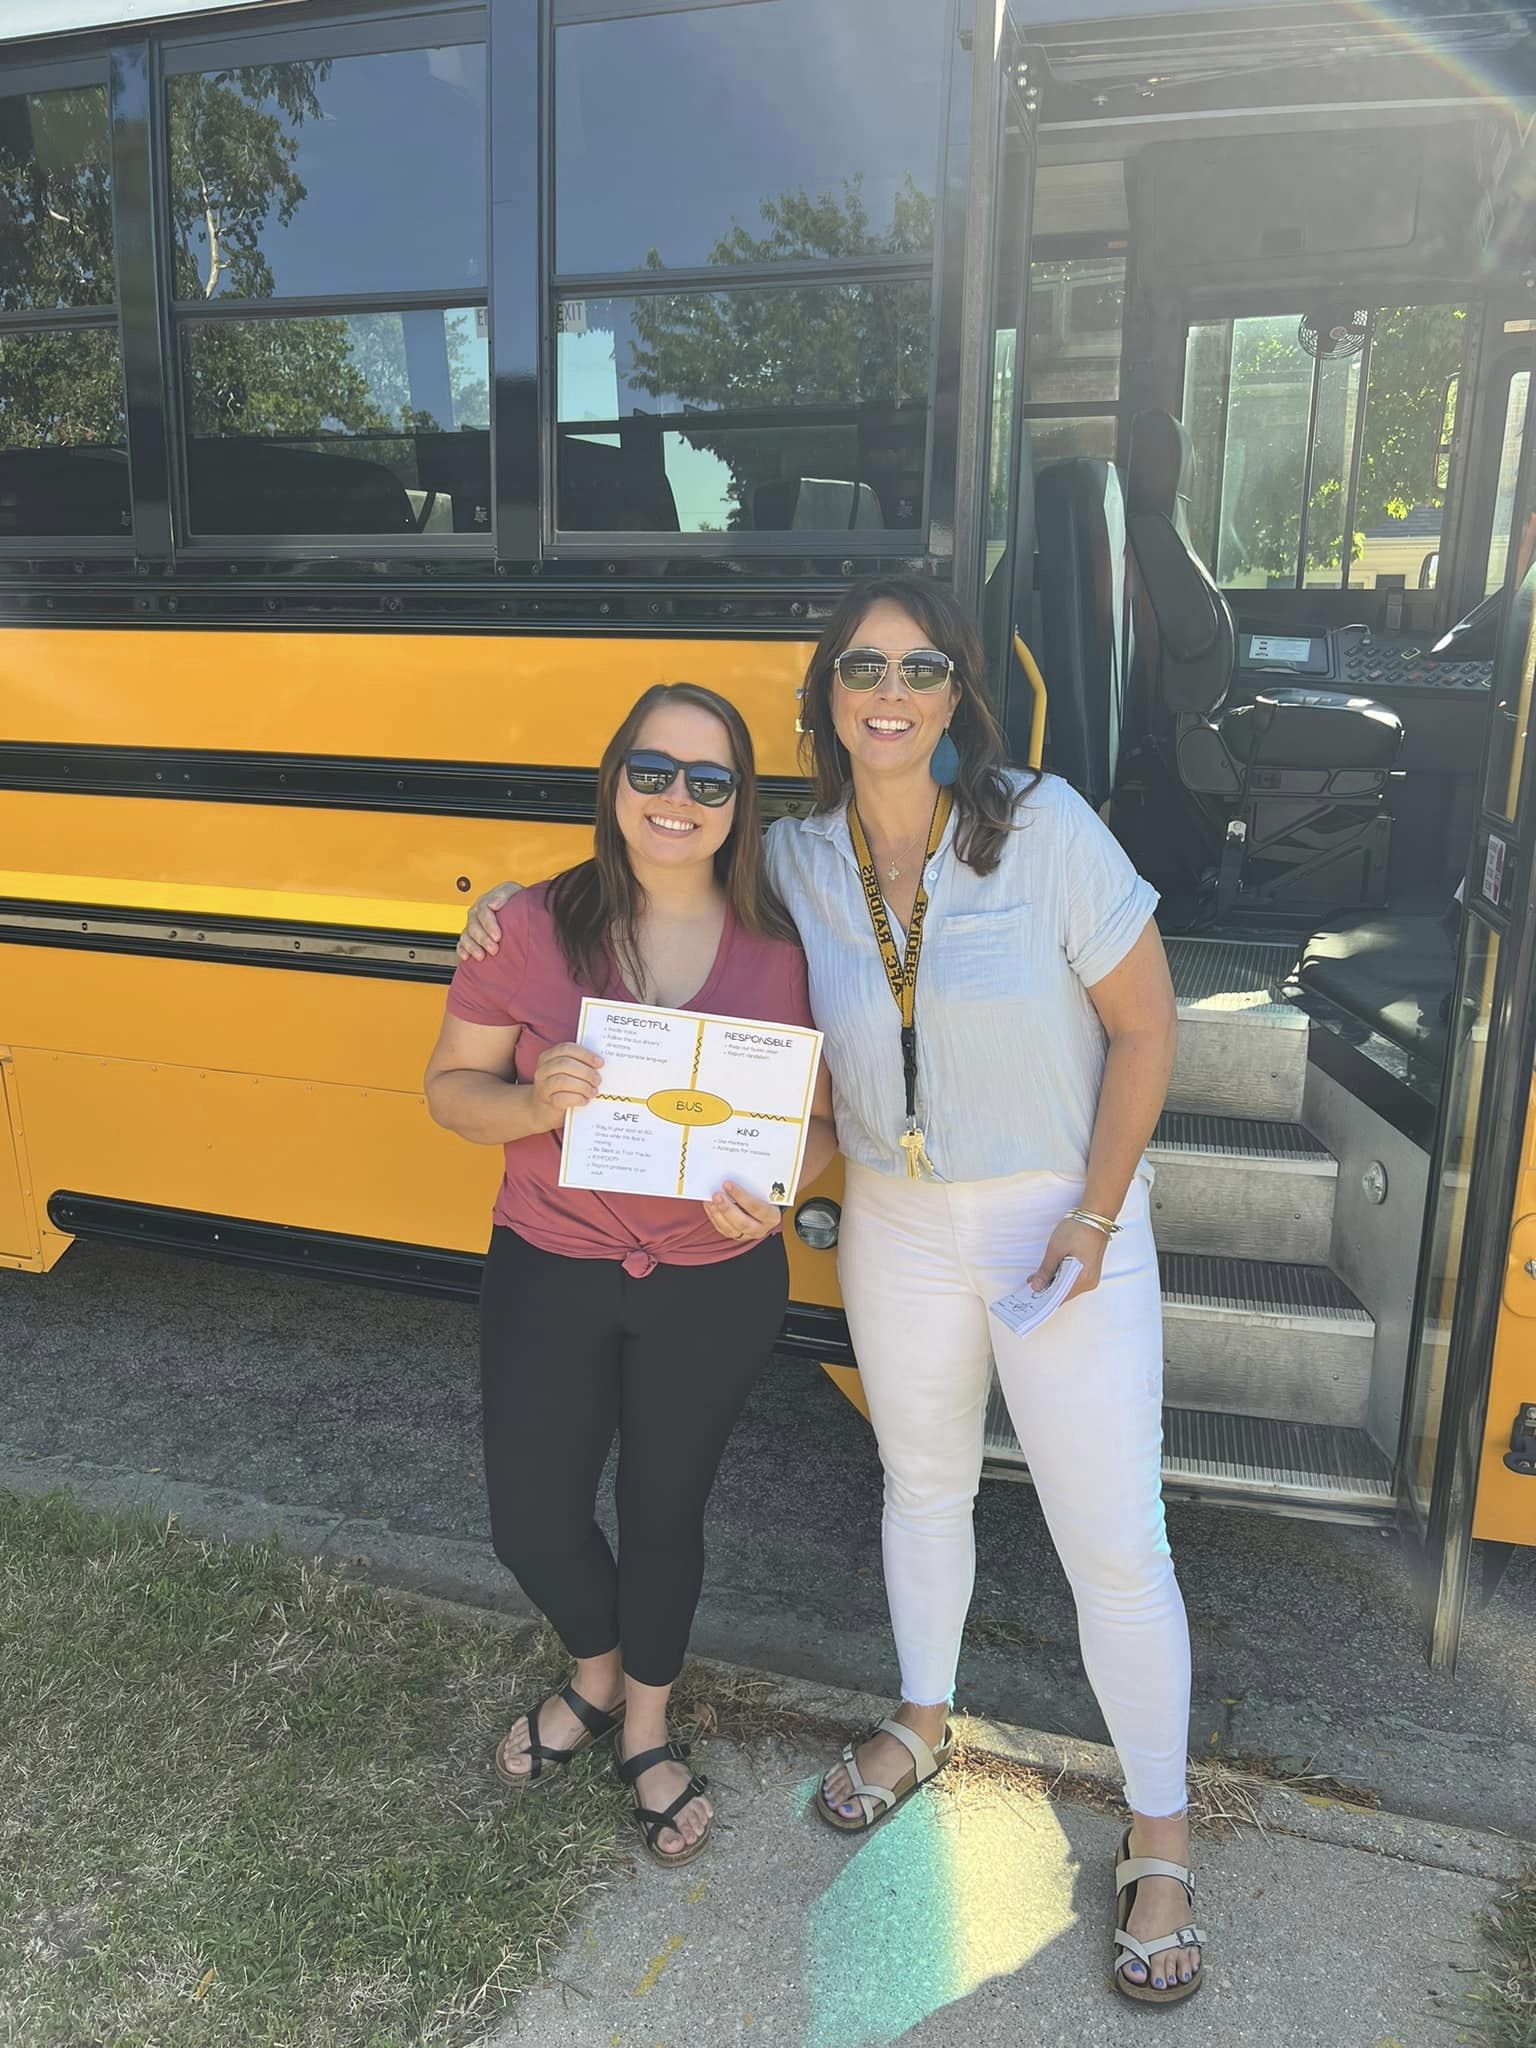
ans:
(1467, 1455)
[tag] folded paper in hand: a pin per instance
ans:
(1024, 1310)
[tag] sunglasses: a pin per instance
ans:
(651, 773)
(865, 668)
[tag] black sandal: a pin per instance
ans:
(651, 1823)
(598, 1725)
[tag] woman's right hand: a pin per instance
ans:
(482, 934)
(565, 1078)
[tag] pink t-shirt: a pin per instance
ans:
(527, 982)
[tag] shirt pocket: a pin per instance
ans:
(983, 955)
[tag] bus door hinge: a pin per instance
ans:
(1521, 1455)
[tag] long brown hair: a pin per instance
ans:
(985, 800)
(596, 905)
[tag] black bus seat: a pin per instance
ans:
(1397, 974)
(815, 504)
(248, 484)
(1303, 772)
(613, 485)
(1393, 973)
(58, 491)
(1080, 538)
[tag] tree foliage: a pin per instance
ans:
(1415, 351)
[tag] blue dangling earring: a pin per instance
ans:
(944, 764)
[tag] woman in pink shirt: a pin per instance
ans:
(606, 1313)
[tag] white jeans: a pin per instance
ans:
(919, 1263)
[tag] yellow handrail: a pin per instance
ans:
(1031, 669)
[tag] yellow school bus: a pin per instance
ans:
(388, 393)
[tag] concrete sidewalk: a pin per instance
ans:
(979, 1915)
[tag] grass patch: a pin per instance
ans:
(1220, 1800)
(1503, 2003)
(250, 1802)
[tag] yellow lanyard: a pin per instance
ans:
(901, 972)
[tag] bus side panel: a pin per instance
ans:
(402, 858)
(280, 1095)
(19, 1245)
(1506, 1500)
(309, 1154)
(348, 1030)
(542, 700)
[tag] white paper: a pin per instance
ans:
(1024, 1310)
(687, 1102)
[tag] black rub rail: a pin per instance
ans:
(465, 789)
(809, 1332)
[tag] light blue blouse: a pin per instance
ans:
(1010, 1048)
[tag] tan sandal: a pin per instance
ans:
(877, 1802)
(1129, 1871)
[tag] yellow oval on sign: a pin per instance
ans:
(688, 1106)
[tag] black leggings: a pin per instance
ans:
(572, 1350)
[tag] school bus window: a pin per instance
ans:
(746, 134)
(1075, 312)
(349, 178)
(1271, 507)
(63, 460)
(329, 175)
(1515, 689)
(1463, 1103)
(1042, 313)
(1054, 440)
(1338, 408)
(1509, 476)
(781, 409)
(55, 200)
(339, 423)
(1005, 394)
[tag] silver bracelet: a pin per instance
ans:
(1095, 1222)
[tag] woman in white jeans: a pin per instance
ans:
(1000, 1030)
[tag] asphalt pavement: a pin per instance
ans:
(241, 1399)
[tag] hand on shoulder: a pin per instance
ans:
(482, 928)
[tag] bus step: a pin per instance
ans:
(1265, 1337)
(1226, 1183)
(1242, 1046)
(1290, 1468)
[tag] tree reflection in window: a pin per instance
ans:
(63, 470)
(289, 181)
(233, 168)
(55, 200)
(780, 386)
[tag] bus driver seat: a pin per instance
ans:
(1302, 772)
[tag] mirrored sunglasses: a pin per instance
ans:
(651, 773)
(921, 668)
